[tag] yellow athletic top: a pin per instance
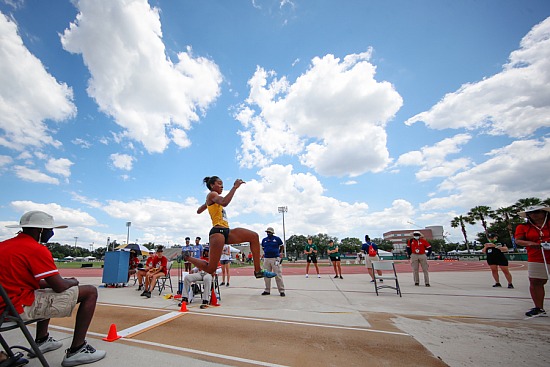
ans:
(218, 216)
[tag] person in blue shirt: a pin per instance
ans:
(189, 249)
(370, 250)
(197, 248)
(272, 261)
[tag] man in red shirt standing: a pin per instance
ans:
(32, 281)
(418, 250)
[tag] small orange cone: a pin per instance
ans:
(183, 306)
(214, 299)
(113, 335)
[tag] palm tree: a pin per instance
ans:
(524, 203)
(480, 213)
(461, 221)
(505, 215)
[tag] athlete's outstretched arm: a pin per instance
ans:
(201, 208)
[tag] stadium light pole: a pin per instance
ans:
(108, 242)
(283, 210)
(128, 224)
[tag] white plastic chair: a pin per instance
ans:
(386, 265)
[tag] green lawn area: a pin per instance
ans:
(77, 264)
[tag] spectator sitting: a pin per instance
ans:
(32, 281)
(142, 272)
(200, 276)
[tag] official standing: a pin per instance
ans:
(272, 261)
(418, 250)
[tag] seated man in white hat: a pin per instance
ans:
(199, 275)
(33, 283)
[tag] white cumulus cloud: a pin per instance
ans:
(433, 159)
(122, 161)
(29, 95)
(514, 102)
(332, 117)
(132, 79)
(61, 166)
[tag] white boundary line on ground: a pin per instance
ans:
(181, 349)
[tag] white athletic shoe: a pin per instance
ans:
(307, 275)
(86, 354)
(47, 346)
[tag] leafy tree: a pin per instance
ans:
(295, 245)
(350, 245)
(522, 204)
(506, 219)
(99, 252)
(383, 244)
(461, 221)
(481, 213)
(438, 245)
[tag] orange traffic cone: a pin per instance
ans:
(183, 306)
(214, 299)
(113, 335)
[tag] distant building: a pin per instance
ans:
(400, 237)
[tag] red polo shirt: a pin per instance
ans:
(528, 232)
(421, 245)
(24, 263)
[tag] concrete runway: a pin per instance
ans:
(325, 322)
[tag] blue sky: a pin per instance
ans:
(360, 116)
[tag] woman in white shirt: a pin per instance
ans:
(225, 260)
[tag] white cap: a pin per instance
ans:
(36, 219)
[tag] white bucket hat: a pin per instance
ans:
(533, 208)
(270, 230)
(36, 219)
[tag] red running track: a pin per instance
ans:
(402, 266)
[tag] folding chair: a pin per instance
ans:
(215, 286)
(161, 281)
(9, 320)
(386, 265)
